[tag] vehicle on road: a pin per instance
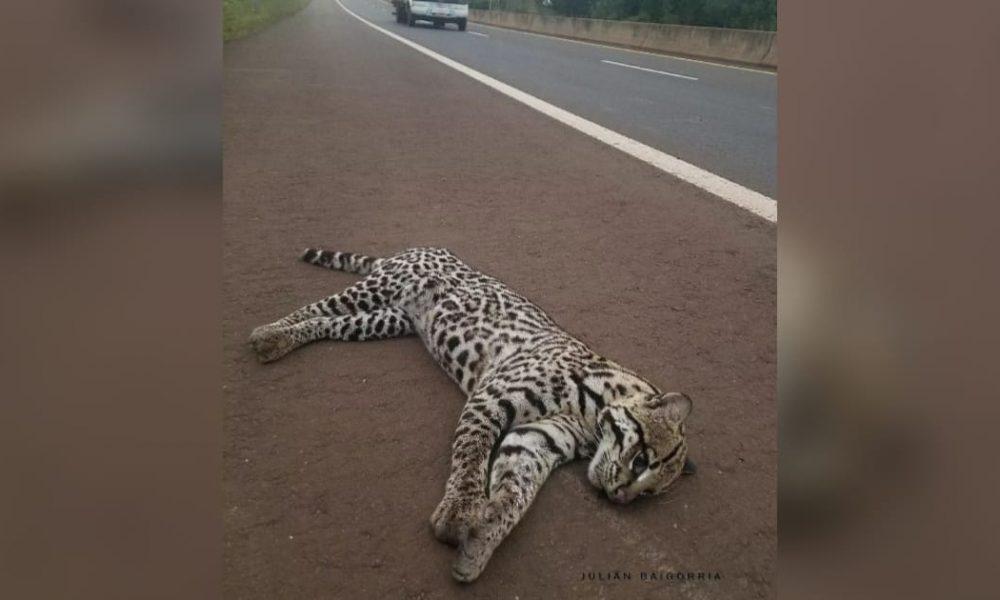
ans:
(438, 12)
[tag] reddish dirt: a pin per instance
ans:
(336, 455)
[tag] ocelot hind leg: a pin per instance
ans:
(271, 342)
(366, 295)
(370, 295)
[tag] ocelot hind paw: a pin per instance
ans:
(270, 343)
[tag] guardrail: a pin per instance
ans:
(756, 48)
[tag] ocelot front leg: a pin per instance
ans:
(271, 342)
(481, 425)
(527, 455)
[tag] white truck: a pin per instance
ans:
(438, 12)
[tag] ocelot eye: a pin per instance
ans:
(639, 463)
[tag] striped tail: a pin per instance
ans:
(341, 261)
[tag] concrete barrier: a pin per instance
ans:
(757, 48)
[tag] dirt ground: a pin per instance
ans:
(336, 455)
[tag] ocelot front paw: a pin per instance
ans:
(477, 547)
(453, 517)
(270, 343)
(473, 555)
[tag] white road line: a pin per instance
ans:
(622, 49)
(730, 191)
(479, 34)
(618, 64)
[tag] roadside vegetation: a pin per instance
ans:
(738, 14)
(243, 17)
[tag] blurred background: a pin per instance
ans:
(110, 183)
(887, 294)
(110, 225)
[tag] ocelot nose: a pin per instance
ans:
(620, 495)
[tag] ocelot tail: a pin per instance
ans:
(537, 396)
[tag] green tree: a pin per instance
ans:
(743, 14)
(574, 8)
(689, 12)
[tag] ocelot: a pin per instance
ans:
(537, 396)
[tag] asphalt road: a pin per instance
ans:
(725, 121)
(335, 456)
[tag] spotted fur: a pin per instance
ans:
(537, 397)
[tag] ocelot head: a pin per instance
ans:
(641, 447)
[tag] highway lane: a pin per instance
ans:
(720, 118)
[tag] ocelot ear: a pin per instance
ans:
(673, 406)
